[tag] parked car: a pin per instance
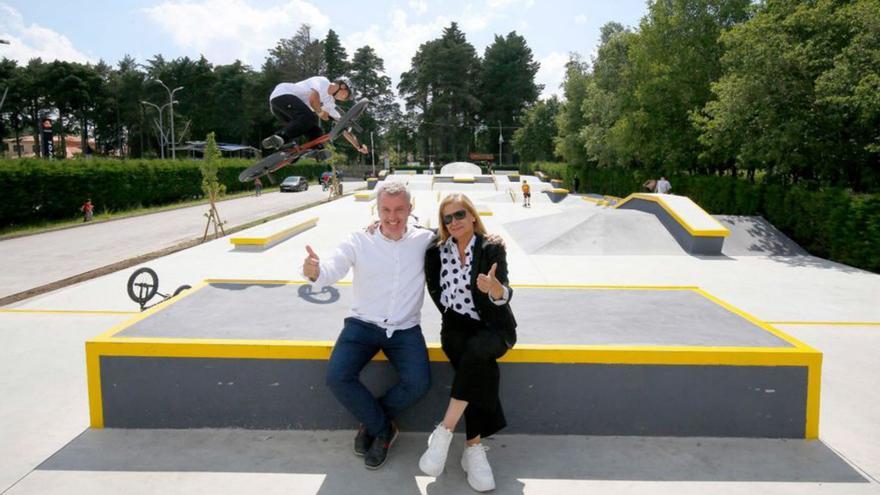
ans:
(294, 183)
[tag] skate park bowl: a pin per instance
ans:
(695, 230)
(590, 360)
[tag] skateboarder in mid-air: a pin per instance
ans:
(298, 104)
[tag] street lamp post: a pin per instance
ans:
(500, 141)
(161, 128)
(171, 102)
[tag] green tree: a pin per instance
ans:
(569, 143)
(799, 94)
(604, 95)
(335, 58)
(367, 73)
(442, 87)
(506, 82)
(533, 141)
(675, 58)
(296, 58)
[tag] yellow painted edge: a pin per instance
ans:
(155, 309)
(93, 356)
(485, 213)
(462, 179)
(262, 241)
(720, 232)
(814, 386)
(604, 287)
(814, 367)
(68, 311)
(828, 323)
(269, 282)
(93, 377)
(557, 190)
(523, 353)
(755, 321)
(591, 199)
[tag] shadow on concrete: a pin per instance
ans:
(513, 457)
(755, 236)
(327, 295)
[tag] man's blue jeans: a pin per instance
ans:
(355, 347)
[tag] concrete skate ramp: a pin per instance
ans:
(755, 236)
(460, 168)
(646, 361)
(594, 231)
(695, 230)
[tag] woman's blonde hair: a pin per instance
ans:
(479, 228)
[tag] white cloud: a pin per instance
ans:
(397, 41)
(419, 6)
(551, 73)
(500, 4)
(226, 30)
(29, 41)
(580, 19)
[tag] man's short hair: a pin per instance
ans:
(393, 189)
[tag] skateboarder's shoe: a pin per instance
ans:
(273, 142)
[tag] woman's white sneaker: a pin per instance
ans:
(434, 459)
(476, 465)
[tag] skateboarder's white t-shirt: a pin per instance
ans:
(303, 91)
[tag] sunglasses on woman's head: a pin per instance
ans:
(458, 215)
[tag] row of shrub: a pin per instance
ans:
(830, 223)
(36, 190)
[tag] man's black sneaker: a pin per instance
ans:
(378, 452)
(362, 441)
(272, 142)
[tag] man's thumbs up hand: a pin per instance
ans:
(311, 267)
(488, 284)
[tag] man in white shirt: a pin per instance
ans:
(663, 186)
(388, 287)
(298, 105)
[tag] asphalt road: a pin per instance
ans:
(37, 260)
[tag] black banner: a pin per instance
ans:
(46, 139)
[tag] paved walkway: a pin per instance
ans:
(34, 261)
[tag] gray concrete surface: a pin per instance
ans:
(43, 388)
(544, 316)
(539, 398)
(755, 236)
(690, 243)
(36, 260)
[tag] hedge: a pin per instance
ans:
(36, 190)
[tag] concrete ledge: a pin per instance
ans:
(695, 230)
(150, 372)
(267, 241)
(556, 194)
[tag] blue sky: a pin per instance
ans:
(225, 30)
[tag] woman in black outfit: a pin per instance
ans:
(466, 274)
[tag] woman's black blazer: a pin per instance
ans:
(487, 250)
